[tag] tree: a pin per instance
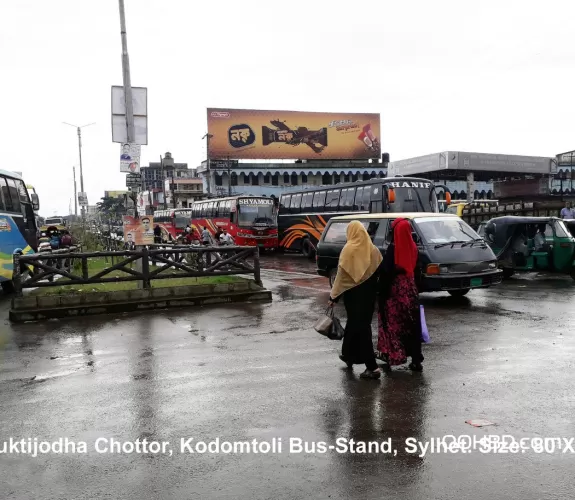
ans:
(112, 208)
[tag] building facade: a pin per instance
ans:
(154, 178)
(266, 179)
(471, 175)
(182, 192)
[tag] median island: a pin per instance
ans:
(79, 284)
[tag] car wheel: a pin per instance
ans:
(332, 275)
(458, 293)
(307, 249)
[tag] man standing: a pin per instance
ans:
(206, 238)
(566, 211)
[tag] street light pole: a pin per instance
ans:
(75, 193)
(79, 129)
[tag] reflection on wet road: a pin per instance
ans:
(259, 371)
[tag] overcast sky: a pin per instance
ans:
(488, 76)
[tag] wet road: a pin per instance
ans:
(259, 371)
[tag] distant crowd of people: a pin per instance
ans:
(192, 236)
(55, 239)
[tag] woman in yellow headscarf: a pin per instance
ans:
(356, 281)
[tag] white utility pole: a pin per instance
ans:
(126, 77)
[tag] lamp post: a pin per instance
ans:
(207, 137)
(79, 129)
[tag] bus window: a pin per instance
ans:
(306, 203)
(285, 203)
(295, 204)
(358, 203)
(14, 195)
(332, 200)
(347, 196)
(8, 206)
(319, 201)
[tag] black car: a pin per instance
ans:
(452, 256)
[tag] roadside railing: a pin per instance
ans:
(176, 262)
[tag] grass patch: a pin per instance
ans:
(96, 265)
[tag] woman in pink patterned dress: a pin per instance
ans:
(399, 317)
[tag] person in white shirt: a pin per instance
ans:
(567, 211)
(226, 238)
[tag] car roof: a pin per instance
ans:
(515, 219)
(396, 215)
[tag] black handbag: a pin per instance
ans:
(329, 326)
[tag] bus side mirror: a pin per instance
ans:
(391, 195)
(448, 198)
(35, 202)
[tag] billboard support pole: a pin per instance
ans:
(207, 137)
(229, 178)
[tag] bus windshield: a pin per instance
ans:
(410, 199)
(54, 221)
(255, 211)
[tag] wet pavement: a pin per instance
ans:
(259, 371)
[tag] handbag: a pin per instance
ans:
(324, 324)
(330, 326)
(424, 330)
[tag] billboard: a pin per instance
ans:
(270, 135)
(138, 231)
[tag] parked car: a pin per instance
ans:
(452, 256)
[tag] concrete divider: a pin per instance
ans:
(40, 307)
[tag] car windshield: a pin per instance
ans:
(259, 212)
(445, 230)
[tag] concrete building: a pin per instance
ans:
(471, 175)
(156, 173)
(182, 192)
(269, 179)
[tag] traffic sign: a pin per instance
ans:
(133, 180)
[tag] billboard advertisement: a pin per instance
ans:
(274, 135)
(139, 231)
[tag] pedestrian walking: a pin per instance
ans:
(356, 282)
(399, 319)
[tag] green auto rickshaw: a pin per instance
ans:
(530, 244)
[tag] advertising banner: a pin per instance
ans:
(82, 199)
(139, 231)
(130, 158)
(271, 135)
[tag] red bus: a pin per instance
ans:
(172, 222)
(251, 220)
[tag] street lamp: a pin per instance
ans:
(79, 129)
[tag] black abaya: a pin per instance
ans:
(359, 305)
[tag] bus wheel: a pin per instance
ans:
(307, 249)
(8, 287)
(332, 275)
